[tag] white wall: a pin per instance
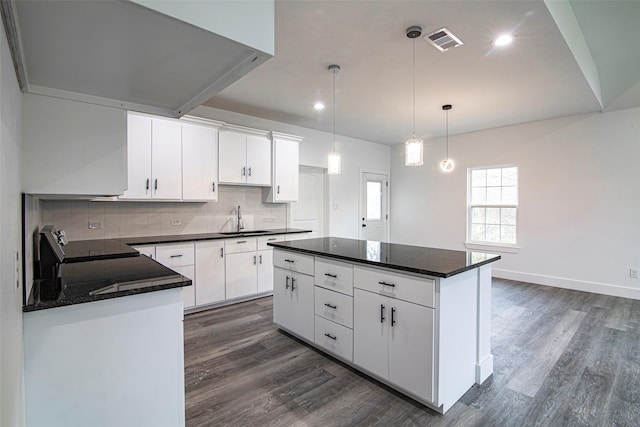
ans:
(344, 188)
(11, 389)
(579, 194)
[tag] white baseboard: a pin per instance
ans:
(577, 285)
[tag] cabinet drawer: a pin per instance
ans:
(262, 241)
(334, 306)
(242, 244)
(293, 261)
(408, 288)
(334, 338)
(334, 275)
(175, 255)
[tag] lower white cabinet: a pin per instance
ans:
(265, 270)
(242, 274)
(393, 339)
(210, 272)
(293, 302)
(180, 258)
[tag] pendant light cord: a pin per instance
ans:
(447, 129)
(334, 111)
(414, 88)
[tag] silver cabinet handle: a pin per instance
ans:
(289, 260)
(292, 284)
(333, 276)
(260, 259)
(271, 239)
(278, 190)
(241, 241)
(249, 174)
(147, 184)
(156, 184)
(254, 260)
(393, 319)
(221, 252)
(328, 335)
(331, 305)
(213, 187)
(175, 256)
(286, 283)
(244, 171)
(387, 284)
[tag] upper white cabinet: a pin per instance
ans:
(199, 162)
(72, 148)
(285, 156)
(244, 159)
(154, 147)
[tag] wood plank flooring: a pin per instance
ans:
(562, 358)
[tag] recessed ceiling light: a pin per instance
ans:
(503, 40)
(318, 106)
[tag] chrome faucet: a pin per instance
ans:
(240, 224)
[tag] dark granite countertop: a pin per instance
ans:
(176, 238)
(91, 250)
(415, 259)
(87, 281)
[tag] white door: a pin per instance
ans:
(138, 157)
(242, 274)
(210, 277)
(373, 206)
(370, 332)
(309, 211)
(411, 347)
(166, 164)
(232, 158)
(286, 170)
(265, 270)
(199, 162)
(258, 161)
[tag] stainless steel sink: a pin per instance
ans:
(243, 233)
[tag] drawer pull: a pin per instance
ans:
(381, 313)
(286, 285)
(387, 284)
(241, 241)
(175, 256)
(221, 252)
(333, 276)
(147, 184)
(254, 260)
(328, 335)
(272, 239)
(393, 320)
(292, 284)
(260, 259)
(289, 260)
(331, 306)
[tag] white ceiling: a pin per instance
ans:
(535, 78)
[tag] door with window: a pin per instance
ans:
(373, 206)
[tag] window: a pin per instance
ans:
(493, 204)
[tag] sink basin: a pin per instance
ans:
(242, 233)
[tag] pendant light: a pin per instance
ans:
(334, 158)
(414, 147)
(447, 164)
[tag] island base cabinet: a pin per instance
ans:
(393, 339)
(293, 302)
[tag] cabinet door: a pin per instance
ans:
(302, 305)
(232, 158)
(285, 173)
(370, 332)
(188, 292)
(242, 274)
(282, 301)
(411, 347)
(258, 161)
(166, 164)
(138, 157)
(265, 270)
(199, 162)
(210, 270)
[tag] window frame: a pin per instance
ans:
(484, 245)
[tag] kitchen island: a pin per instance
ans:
(415, 318)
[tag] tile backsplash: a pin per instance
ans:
(127, 219)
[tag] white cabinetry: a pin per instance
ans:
(180, 258)
(210, 272)
(199, 162)
(147, 250)
(244, 159)
(293, 301)
(393, 340)
(154, 150)
(285, 155)
(241, 267)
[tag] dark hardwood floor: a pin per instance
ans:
(562, 358)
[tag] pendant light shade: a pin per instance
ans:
(414, 147)
(334, 158)
(447, 164)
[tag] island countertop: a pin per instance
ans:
(415, 259)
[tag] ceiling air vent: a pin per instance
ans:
(443, 39)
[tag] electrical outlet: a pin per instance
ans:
(633, 273)
(176, 222)
(95, 225)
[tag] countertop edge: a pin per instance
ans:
(179, 238)
(380, 264)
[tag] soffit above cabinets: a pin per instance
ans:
(125, 55)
